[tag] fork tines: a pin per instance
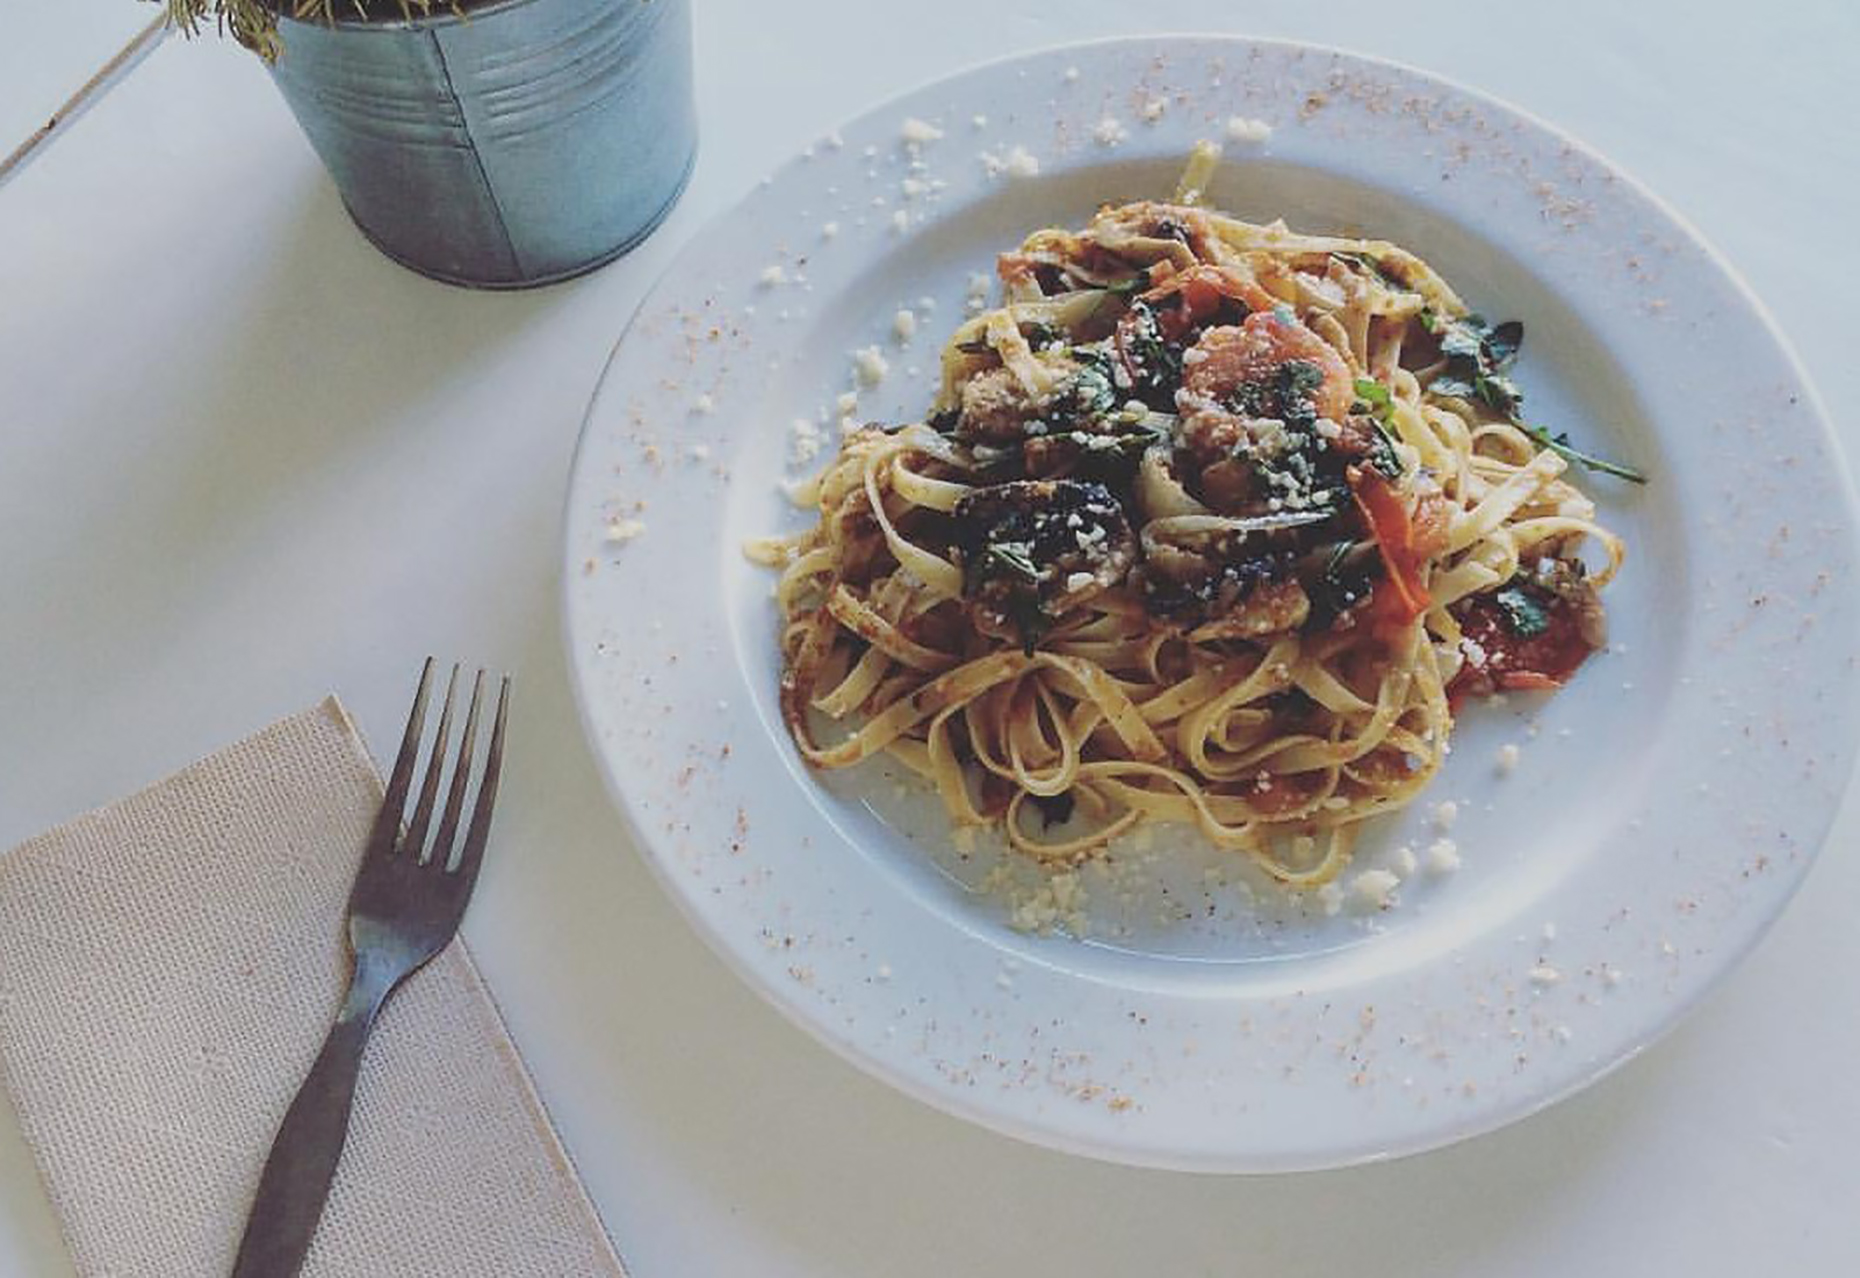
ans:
(387, 838)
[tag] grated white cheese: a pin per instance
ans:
(912, 187)
(624, 530)
(1330, 898)
(903, 326)
(900, 222)
(805, 441)
(869, 366)
(1446, 812)
(773, 275)
(847, 403)
(1018, 162)
(1072, 75)
(1079, 581)
(1443, 856)
(1508, 756)
(703, 404)
(1373, 890)
(1109, 132)
(978, 121)
(917, 132)
(1061, 900)
(829, 230)
(1240, 128)
(699, 452)
(977, 297)
(1403, 862)
(1544, 974)
(1153, 109)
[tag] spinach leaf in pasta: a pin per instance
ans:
(1477, 354)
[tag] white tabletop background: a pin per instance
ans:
(245, 461)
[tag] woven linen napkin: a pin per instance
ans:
(168, 968)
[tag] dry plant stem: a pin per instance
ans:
(88, 93)
(254, 23)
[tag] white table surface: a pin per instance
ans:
(244, 461)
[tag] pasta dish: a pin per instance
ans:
(1210, 522)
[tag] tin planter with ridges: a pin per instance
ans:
(510, 145)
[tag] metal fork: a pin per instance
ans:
(404, 908)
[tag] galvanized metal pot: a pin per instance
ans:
(520, 142)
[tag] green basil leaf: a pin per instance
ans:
(1502, 345)
(1560, 445)
(1501, 393)
(1462, 341)
(1015, 557)
(1375, 394)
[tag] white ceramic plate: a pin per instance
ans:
(1665, 805)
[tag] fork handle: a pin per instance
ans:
(302, 1163)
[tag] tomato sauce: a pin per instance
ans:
(1499, 659)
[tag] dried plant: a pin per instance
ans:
(254, 23)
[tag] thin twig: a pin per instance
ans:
(144, 42)
(254, 23)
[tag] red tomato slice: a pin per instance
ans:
(1497, 658)
(1402, 596)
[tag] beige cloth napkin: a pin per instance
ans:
(168, 968)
